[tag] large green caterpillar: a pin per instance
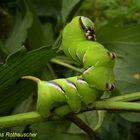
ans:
(79, 44)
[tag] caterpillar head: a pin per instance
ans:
(79, 29)
(88, 26)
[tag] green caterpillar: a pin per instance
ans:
(72, 91)
(79, 44)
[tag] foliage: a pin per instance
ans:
(30, 36)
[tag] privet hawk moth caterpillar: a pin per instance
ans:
(79, 43)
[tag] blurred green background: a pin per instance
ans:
(30, 44)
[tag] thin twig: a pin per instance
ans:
(57, 61)
(82, 125)
(126, 97)
(115, 106)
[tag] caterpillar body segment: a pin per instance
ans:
(97, 56)
(72, 91)
(87, 93)
(71, 94)
(93, 75)
(49, 97)
(79, 43)
(89, 53)
(69, 39)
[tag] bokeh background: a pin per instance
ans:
(30, 44)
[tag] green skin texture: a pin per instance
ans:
(88, 53)
(81, 90)
(50, 97)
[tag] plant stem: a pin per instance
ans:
(33, 117)
(81, 124)
(117, 106)
(126, 97)
(20, 119)
(57, 61)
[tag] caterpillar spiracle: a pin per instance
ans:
(79, 43)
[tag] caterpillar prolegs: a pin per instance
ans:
(72, 91)
(79, 43)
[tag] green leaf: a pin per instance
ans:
(35, 32)
(19, 32)
(62, 129)
(25, 106)
(125, 41)
(47, 34)
(112, 126)
(53, 130)
(90, 118)
(18, 64)
(2, 52)
(131, 116)
(69, 7)
(48, 8)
